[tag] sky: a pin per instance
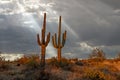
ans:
(89, 24)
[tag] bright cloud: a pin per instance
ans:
(11, 57)
(85, 47)
(117, 11)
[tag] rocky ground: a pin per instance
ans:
(29, 69)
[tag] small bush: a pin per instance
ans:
(117, 57)
(53, 61)
(32, 63)
(94, 75)
(64, 62)
(80, 63)
(4, 66)
(97, 55)
(22, 60)
(26, 59)
(2, 58)
(118, 76)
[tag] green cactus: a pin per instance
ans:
(59, 44)
(42, 42)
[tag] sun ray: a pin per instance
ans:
(28, 9)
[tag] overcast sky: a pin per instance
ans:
(89, 23)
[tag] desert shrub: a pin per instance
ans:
(36, 75)
(53, 61)
(94, 75)
(3, 77)
(18, 78)
(80, 63)
(64, 62)
(2, 58)
(97, 55)
(32, 63)
(117, 57)
(73, 60)
(55, 78)
(22, 60)
(104, 69)
(26, 59)
(4, 66)
(118, 76)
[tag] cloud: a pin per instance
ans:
(102, 22)
(5, 1)
(93, 23)
(21, 6)
(114, 4)
(85, 47)
(11, 57)
(117, 11)
(1, 20)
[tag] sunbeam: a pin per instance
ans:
(30, 22)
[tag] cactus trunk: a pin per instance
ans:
(43, 50)
(59, 54)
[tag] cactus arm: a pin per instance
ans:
(54, 40)
(63, 39)
(65, 35)
(48, 39)
(38, 40)
(56, 45)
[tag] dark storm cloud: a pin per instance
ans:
(92, 20)
(115, 3)
(17, 40)
(15, 37)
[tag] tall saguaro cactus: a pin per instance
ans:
(57, 43)
(42, 42)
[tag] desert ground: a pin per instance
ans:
(28, 68)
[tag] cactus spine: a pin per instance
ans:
(42, 42)
(59, 44)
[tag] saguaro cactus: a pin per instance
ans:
(42, 42)
(59, 44)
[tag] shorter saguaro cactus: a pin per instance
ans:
(42, 42)
(59, 44)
